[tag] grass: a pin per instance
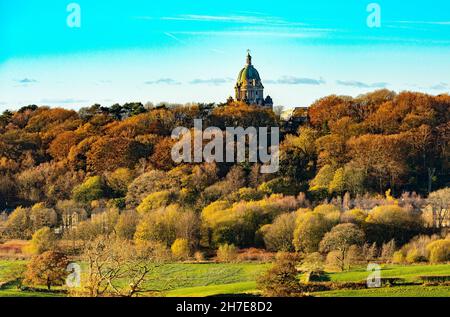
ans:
(7, 266)
(210, 279)
(241, 288)
(397, 291)
(14, 292)
(408, 272)
(180, 279)
(188, 280)
(175, 276)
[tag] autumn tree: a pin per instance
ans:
(126, 225)
(161, 157)
(239, 114)
(19, 224)
(388, 222)
(309, 230)
(341, 238)
(61, 145)
(47, 269)
(92, 189)
(380, 156)
(147, 183)
(279, 235)
(328, 109)
(167, 224)
(298, 155)
(43, 240)
(181, 249)
(111, 153)
(41, 216)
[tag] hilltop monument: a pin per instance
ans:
(249, 87)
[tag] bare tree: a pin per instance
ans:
(440, 202)
(113, 263)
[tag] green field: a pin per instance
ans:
(7, 266)
(398, 291)
(179, 279)
(186, 280)
(205, 279)
(407, 272)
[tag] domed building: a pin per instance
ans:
(249, 88)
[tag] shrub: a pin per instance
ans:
(328, 286)
(387, 250)
(281, 279)
(226, 253)
(369, 252)
(398, 257)
(279, 235)
(326, 209)
(199, 256)
(354, 256)
(334, 260)
(167, 224)
(416, 250)
(439, 251)
(413, 256)
(356, 216)
(253, 254)
(313, 262)
(388, 222)
(154, 201)
(43, 240)
(180, 249)
(238, 223)
(280, 185)
(154, 250)
(435, 279)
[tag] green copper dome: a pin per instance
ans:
(248, 73)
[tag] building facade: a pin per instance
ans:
(249, 87)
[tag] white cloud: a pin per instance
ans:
(211, 81)
(62, 101)
(359, 84)
(27, 81)
(291, 80)
(440, 86)
(174, 37)
(167, 81)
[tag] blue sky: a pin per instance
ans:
(191, 51)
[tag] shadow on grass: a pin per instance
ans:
(235, 295)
